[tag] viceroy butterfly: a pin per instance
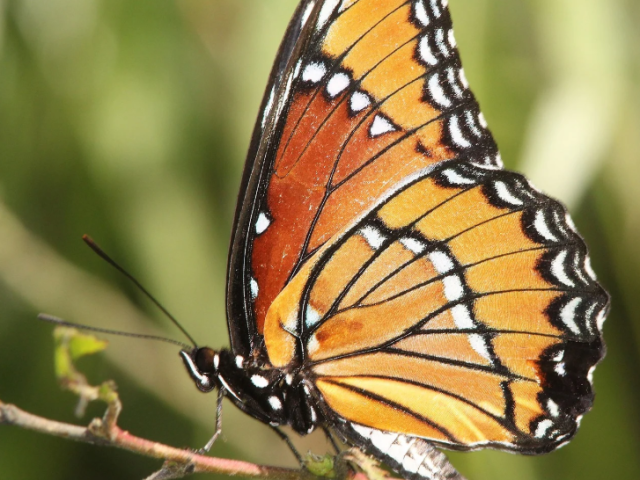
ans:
(387, 279)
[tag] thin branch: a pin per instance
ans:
(185, 462)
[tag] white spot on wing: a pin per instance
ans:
(453, 288)
(305, 15)
(479, 344)
(560, 370)
(558, 269)
(325, 13)
(553, 408)
(435, 8)
(589, 316)
(239, 361)
(420, 12)
(314, 72)
(578, 270)
(462, 317)
(505, 195)
(570, 223)
(568, 315)
(359, 101)
(451, 77)
(540, 224)
(471, 123)
(253, 285)
(437, 92)
(296, 71)
(457, 179)
(337, 84)
(424, 50)
(589, 268)
(311, 316)
(600, 319)
(463, 78)
(262, 223)
(380, 126)
(373, 236)
(482, 120)
(441, 262)
(452, 39)
(413, 245)
(440, 42)
(543, 427)
(456, 133)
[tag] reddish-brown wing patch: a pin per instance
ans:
(379, 96)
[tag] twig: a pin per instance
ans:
(179, 461)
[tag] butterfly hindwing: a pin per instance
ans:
(365, 93)
(461, 310)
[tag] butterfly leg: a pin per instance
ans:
(328, 434)
(215, 436)
(293, 449)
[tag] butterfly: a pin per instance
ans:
(388, 280)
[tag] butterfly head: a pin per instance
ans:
(202, 364)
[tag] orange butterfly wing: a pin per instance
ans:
(461, 310)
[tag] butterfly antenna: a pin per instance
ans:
(63, 323)
(94, 246)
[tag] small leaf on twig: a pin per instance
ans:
(82, 344)
(71, 345)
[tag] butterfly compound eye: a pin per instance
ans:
(205, 360)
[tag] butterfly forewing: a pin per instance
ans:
(374, 93)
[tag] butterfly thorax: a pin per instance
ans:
(272, 395)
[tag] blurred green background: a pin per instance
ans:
(129, 120)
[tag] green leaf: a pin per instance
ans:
(71, 345)
(82, 344)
